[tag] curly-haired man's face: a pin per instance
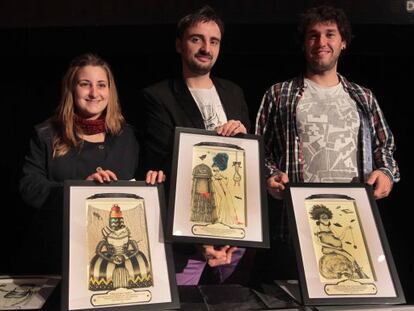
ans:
(322, 45)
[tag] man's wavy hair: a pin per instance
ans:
(325, 14)
(203, 15)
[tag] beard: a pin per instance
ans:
(321, 67)
(199, 68)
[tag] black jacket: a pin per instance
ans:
(169, 104)
(41, 185)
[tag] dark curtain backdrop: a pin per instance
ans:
(257, 52)
(41, 13)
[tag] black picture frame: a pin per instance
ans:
(342, 252)
(217, 193)
(114, 253)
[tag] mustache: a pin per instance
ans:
(204, 54)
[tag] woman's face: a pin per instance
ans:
(91, 92)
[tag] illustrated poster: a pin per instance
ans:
(119, 261)
(340, 247)
(218, 190)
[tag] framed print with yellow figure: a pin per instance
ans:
(217, 190)
(115, 257)
(342, 250)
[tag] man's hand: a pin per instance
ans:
(218, 257)
(231, 128)
(276, 185)
(381, 183)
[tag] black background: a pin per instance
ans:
(39, 38)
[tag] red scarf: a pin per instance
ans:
(90, 127)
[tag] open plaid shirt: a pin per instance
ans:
(276, 121)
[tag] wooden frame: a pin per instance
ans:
(114, 255)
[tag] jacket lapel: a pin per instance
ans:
(187, 103)
(226, 100)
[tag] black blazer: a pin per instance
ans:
(169, 104)
(41, 184)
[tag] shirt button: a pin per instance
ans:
(102, 147)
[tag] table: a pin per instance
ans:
(240, 298)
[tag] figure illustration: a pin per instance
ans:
(118, 262)
(237, 177)
(18, 296)
(336, 263)
(203, 207)
(226, 211)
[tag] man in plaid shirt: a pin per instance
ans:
(319, 127)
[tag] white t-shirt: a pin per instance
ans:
(328, 124)
(209, 104)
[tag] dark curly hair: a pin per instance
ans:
(324, 14)
(202, 15)
(318, 210)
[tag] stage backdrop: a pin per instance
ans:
(39, 38)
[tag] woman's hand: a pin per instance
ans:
(102, 175)
(155, 177)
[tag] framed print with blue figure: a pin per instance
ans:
(217, 190)
(115, 257)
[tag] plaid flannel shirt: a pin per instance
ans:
(276, 121)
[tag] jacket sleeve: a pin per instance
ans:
(244, 111)
(35, 188)
(266, 127)
(383, 143)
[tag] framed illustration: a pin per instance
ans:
(342, 251)
(114, 255)
(26, 292)
(217, 193)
